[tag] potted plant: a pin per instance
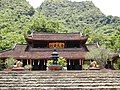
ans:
(61, 63)
(85, 66)
(28, 67)
(9, 63)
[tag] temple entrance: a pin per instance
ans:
(39, 65)
(74, 65)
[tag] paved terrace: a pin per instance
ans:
(60, 80)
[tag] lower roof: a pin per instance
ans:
(19, 52)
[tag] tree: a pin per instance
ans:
(100, 55)
(40, 23)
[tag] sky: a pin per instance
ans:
(108, 7)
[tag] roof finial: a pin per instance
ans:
(32, 31)
(14, 46)
(98, 44)
(81, 34)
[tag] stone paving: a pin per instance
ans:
(60, 80)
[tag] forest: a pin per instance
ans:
(18, 18)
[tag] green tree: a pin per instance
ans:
(100, 55)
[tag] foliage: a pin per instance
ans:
(40, 23)
(17, 18)
(116, 65)
(85, 66)
(100, 55)
(28, 67)
(49, 62)
(61, 61)
(86, 18)
(9, 62)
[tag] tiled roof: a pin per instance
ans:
(58, 37)
(20, 53)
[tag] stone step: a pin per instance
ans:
(48, 72)
(117, 75)
(53, 82)
(35, 77)
(57, 78)
(37, 80)
(61, 79)
(61, 85)
(63, 88)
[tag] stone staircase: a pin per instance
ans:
(60, 80)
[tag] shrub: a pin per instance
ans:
(9, 62)
(28, 67)
(85, 66)
(49, 62)
(61, 61)
(117, 65)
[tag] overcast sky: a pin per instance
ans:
(108, 7)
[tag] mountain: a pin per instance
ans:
(76, 15)
(86, 18)
(14, 18)
(18, 17)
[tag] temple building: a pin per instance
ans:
(40, 46)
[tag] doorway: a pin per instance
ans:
(39, 65)
(74, 65)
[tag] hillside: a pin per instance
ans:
(14, 18)
(18, 17)
(84, 17)
(76, 15)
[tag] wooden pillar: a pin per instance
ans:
(80, 63)
(31, 64)
(68, 62)
(22, 62)
(44, 62)
(27, 61)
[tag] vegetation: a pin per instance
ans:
(85, 66)
(9, 62)
(15, 16)
(28, 67)
(100, 55)
(18, 18)
(61, 61)
(86, 18)
(116, 65)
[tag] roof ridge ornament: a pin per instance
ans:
(32, 32)
(81, 34)
(98, 45)
(14, 46)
